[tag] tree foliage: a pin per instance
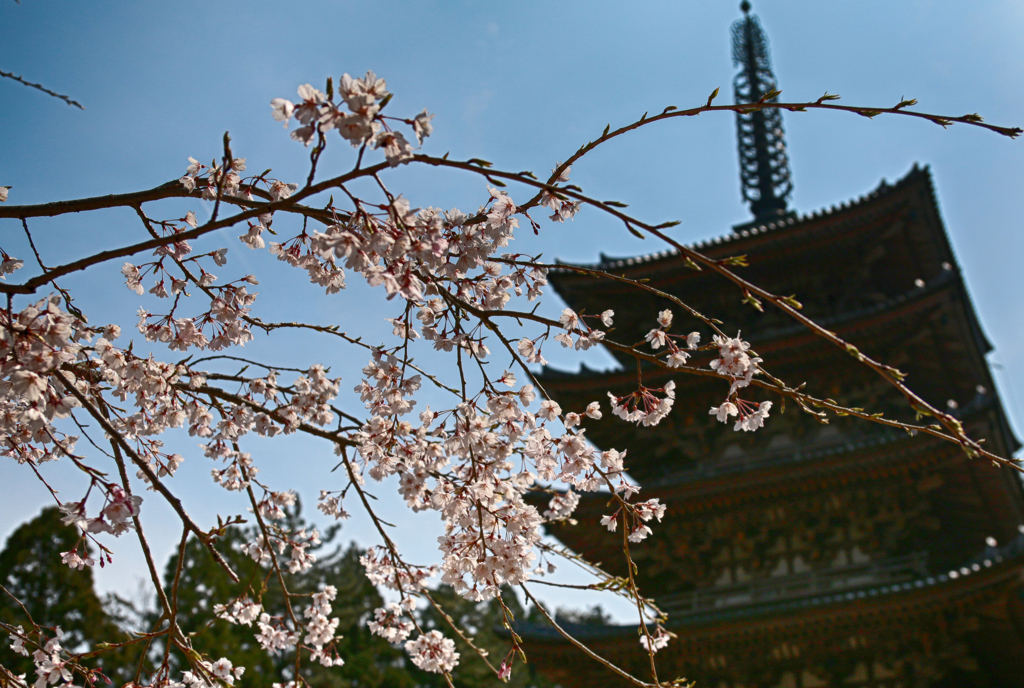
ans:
(40, 590)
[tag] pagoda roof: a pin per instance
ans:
(784, 227)
(877, 326)
(977, 604)
(895, 231)
(793, 333)
(993, 567)
(700, 493)
(702, 490)
(953, 368)
(880, 272)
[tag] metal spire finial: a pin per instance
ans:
(764, 166)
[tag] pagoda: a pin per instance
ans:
(808, 554)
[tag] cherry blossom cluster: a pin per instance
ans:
(72, 559)
(242, 612)
(573, 324)
(321, 628)
(297, 542)
(409, 252)
(53, 664)
(298, 252)
(222, 325)
(113, 518)
(9, 265)
(458, 463)
(562, 506)
(384, 570)
(563, 208)
(586, 336)
(644, 406)
(215, 179)
(330, 504)
(44, 353)
(660, 337)
(50, 667)
(749, 416)
(274, 636)
(401, 248)
(490, 290)
(33, 342)
(734, 362)
(265, 407)
(658, 640)
(273, 504)
(41, 349)
(209, 675)
(636, 517)
(433, 652)
(388, 621)
(359, 122)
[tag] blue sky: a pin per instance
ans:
(523, 85)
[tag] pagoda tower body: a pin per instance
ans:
(807, 554)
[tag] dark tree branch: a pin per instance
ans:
(40, 87)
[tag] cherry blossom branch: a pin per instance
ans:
(172, 622)
(607, 582)
(633, 590)
(890, 374)
(171, 189)
(143, 543)
(630, 566)
(145, 468)
(823, 103)
(396, 556)
(333, 330)
(776, 385)
(274, 563)
(415, 255)
(32, 284)
(219, 393)
(804, 400)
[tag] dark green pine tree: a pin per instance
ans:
(54, 595)
(370, 662)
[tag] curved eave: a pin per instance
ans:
(896, 309)
(737, 240)
(884, 326)
(693, 493)
(870, 603)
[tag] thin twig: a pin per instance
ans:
(40, 87)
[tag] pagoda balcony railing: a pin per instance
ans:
(888, 571)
